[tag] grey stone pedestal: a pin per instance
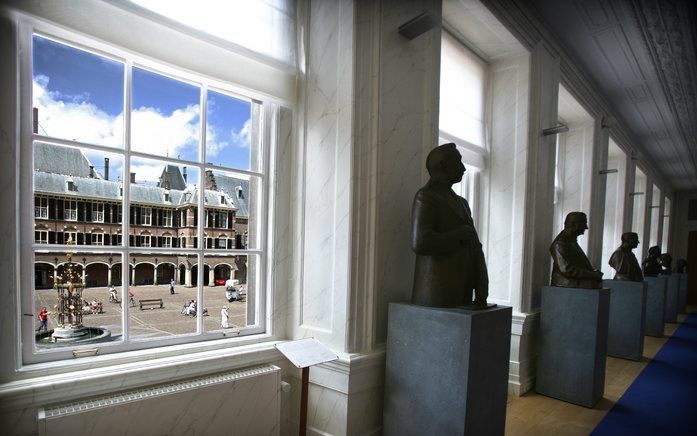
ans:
(682, 293)
(573, 344)
(446, 371)
(656, 305)
(672, 292)
(625, 337)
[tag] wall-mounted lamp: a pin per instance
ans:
(561, 128)
(632, 194)
(612, 171)
(654, 207)
(416, 26)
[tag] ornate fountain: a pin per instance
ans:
(69, 287)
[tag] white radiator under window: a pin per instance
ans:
(241, 402)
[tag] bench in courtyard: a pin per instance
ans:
(151, 302)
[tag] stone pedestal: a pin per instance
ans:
(625, 337)
(655, 305)
(682, 293)
(573, 344)
(672, 291)
(446, 371)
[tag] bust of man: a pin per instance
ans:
(623, 260)
(571, 268)
(680, 265)
(652, 266)
(666, 261)
(450, 264)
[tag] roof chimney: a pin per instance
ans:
(106, 168)
(133, 177)
(91, 171)
(184, 174)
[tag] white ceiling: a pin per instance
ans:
(642, 54)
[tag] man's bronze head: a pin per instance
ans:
(630, 240)
(444, 163)
(576, 222)
(654, 251)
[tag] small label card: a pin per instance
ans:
(306, 352)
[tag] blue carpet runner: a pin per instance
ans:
(663, 399)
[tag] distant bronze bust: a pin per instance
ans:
(625, 262)
(450, 264)
(652, 266)
(666, 261)
(680, 265)
(571, 268)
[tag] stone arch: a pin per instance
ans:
(96, 274)
(43, 275)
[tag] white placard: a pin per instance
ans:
(306, 352)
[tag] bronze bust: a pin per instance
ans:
(624, 261)
(666, 261)
(450, 264)
(680, 265)
(652, 267)
(571, 268)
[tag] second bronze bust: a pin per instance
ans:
(571, 268)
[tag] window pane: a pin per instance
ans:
(229, 131)
(639, 205)
(165, 116)
(230, 283)
(155, 310)
(461, 92)
(77, 194)
(614, 205)
(78, 95)
(238, 196)
(164, 201)
(655, 210)
(75, 292)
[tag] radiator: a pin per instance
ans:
(241, 402)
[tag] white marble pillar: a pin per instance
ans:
(108, 277)
(133, 276)
(154, 275)
(187, 277)
(211, 276)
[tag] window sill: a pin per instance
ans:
(70, 379)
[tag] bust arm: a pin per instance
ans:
(562, 255)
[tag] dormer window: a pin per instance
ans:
(240, 194)
(70, 183)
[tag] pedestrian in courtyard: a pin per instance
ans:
(43, 320)
(224, 316)
(171, 287)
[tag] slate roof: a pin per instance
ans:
(73, 164)
(60, 160)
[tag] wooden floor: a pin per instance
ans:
(534, 414)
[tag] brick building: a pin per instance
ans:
(74, 200)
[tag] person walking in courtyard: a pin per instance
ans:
(224, 316)
(43, 320)
(171, 287)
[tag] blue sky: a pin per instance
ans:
(80, 97)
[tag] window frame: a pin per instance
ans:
(97, 238)
(268, 113)
(96, 213)
(69, 214)
(41, 232)
(41, 209)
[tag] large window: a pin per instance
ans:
(655, 221)
(639, 208)
(461, 116)
(615, 174)
(666, 226)
(125, 141)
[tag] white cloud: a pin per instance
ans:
(77, 120)
(243, 138)
(237, 138)
(160, 134)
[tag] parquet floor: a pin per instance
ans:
(537, 415)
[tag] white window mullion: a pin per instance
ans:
(201, 205)
(126, 208)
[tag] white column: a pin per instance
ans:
(108, 277)
(187, 277)
(154, 275)
(133, 276)
(211, 276)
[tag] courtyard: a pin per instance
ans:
(151, 321)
